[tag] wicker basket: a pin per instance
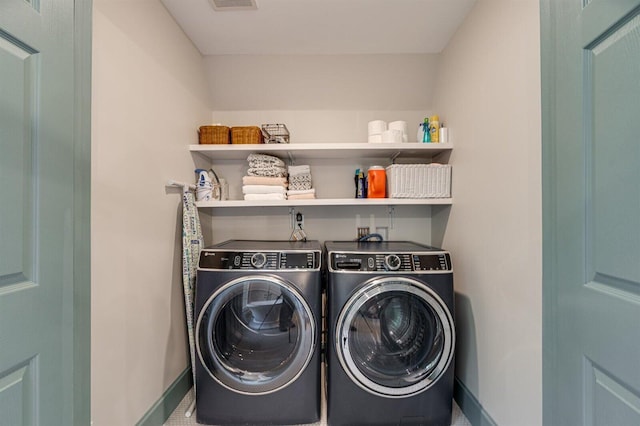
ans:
(246, 135)
(419, 181)
(213, 135)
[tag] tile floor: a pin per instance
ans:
(178, 416)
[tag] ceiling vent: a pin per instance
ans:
(224, 5)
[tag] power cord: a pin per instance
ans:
(298, 234)
(368, 237)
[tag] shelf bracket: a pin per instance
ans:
(292, 160)
(394, 156)
(391, 213)
(292, 217)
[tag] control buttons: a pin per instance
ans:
(392, 262)
(237, 261)
(258, 260)
(371, 263)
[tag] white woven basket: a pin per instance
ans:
(419, 181)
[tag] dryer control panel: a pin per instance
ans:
(390, 262)
(259, 260)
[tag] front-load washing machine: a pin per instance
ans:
(391, 334)
(258, 311)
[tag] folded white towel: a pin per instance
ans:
(263, 189)
(265, 197)
(299, 170)
(264, 180)
(302, 197)
(300, 192)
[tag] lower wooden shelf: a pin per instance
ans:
(328, 202)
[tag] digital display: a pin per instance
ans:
(434, 263)
(297, 260)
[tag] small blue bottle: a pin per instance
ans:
(360, 184)
(426, 135)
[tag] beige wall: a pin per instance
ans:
(152, 89)
(321, 82)
(149, 95)
(321, 98)
(488, 92)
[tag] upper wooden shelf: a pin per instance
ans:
(324, 150)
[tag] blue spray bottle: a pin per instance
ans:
(426, 133)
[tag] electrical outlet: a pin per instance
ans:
(297, 219)
(362, 231)
(383, 231)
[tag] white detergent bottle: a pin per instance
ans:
(204, 186)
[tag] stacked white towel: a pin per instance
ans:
(300, 183)
(266, 178)
(302, 194)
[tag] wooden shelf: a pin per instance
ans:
(328, 202)
(323, 150)
(310, 151)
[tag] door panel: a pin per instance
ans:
(19, 293)
(18, 80)
(608, 400)
(591, 217)
(43, 213)
(612, 234)
(18, 395)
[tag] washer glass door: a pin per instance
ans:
(256, 334)
(395, 337)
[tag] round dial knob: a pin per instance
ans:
(258, 260)
(392, 262)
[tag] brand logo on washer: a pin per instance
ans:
(340, 255)
(207, 253)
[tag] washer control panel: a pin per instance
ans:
(390, 262)
(259, 260)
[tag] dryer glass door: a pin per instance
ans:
(255, 335)
(395, 337)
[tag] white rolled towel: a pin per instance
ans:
(376, 127)
(402, 126)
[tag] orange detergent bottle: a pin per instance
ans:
(377, 180)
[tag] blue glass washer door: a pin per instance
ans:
(256, 335)
(395, 337)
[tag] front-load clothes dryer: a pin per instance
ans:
(258, 310)
(391, 334)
